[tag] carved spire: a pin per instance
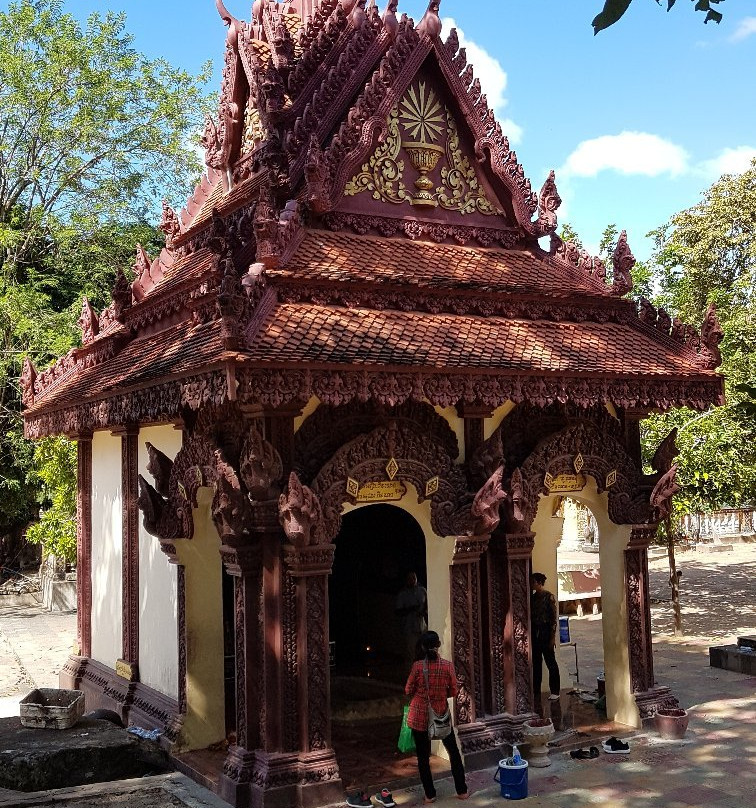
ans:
(28, 377)
(711, 336)
(122, 295)
(300, 513)
(548, 203)
(169, 224)
(623, 261)
(316, 174)
(430, 25)
(231, 23)
(390, 20)
(88, 322)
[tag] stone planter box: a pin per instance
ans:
(49, 708)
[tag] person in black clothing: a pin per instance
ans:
(543, 631)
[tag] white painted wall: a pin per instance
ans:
(107, 554)
(158, 594)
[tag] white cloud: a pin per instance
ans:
(627, 153)
(493, 78)
(746, 27)
(729, 161)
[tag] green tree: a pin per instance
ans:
(91, 132)
(89, 125)
(613, 11)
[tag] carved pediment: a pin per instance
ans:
(423, 164)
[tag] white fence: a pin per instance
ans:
(730, 523)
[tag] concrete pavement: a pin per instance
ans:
(714, 765)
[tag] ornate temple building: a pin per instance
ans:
(362, 352)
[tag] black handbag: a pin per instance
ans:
(439, 726)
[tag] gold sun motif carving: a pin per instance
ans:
(425, 120)
(422, 115)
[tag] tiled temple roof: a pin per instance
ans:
(308, 333)
(349, 258)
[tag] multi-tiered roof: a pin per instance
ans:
(364, 231)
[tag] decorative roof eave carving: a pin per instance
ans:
(438, 232)
(350, 146)
(325, 108)
(460, 302)
(487, 132)
(275, 387)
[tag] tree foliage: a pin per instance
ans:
(91, 132)
(708, 254)
(614, 10)
(86, 119)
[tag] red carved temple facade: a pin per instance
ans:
(355, 293)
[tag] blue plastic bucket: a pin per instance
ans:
(513, 779)
(564, 629)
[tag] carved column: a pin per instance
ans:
(518, 682)
(466, 626)
(84, 543)
(647, 696)
(129, 661)
(244, 559)
(308, 569)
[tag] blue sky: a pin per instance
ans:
(636, 121)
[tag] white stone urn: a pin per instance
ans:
(536, 734)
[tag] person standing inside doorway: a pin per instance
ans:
(412, 609)
(543, 633)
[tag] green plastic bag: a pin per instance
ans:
(406, 741)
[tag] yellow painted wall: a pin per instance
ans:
(205, 719)
(613, 539)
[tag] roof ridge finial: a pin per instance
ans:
(390, 20)
(430, 25)
(230, 21)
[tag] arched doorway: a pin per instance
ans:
(375, 549)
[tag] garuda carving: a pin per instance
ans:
(261, 467)
(623, 261)
(661, 496)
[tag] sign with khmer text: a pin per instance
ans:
(383, 491)
(564, 483)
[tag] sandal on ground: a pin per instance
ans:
(584, 754)
(429, 800)
(614, 746)
(464, 796)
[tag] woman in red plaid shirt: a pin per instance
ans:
(442, 684)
